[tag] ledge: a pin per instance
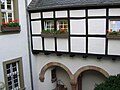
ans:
(116, 36)
(52, 35)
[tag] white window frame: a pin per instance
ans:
(63, 24)
(48, 24)
(116, 28)
(9, 73)
(7, 11)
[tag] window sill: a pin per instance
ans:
(52, 35)
(113, 36)
(9, 30)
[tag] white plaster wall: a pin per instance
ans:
(114, 12)
(62, 44)
(78, 44)
(16, 45)
(113, 47)
(49, 44)
(78, 27)
(47, 14)
(73, 63)
(37, 43)
(77, 13)
(36, 27)
(90, 79)
(96, 45)
(97, 26)
(60, 14)
(97, 12)
(35, 15)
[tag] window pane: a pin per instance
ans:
(8, 1)
(62, 25)
(9, 7)
(3, 16)
(115, 25)
(2, 6)
(49, 25)
(9, 14)
(7, 66)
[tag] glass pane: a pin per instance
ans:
(9, 19)
(9, 14)
(14, 69)
(13, 64)
(49, 25)
(9, 78)
(8, 71)
(3, 19)
(3, 16)
(9, 83)
(7, 66)
(10, 87)
(8, 1)
(9, 7)
(115, 26)
(16, 85)
(3, 6)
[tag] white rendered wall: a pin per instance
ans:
(113, 47)
(49, 44)
(16, 45)
(35, 15)
(97, 12)
(114, 12)
(96, 45)
(36, 27)
(78, 27)
(97, 26)
(59, 14)
(77, 13)
(78, 44)
(47, 14)
(37, 43)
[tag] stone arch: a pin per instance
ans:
(86, 68)
(52, 64)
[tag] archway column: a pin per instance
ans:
(73, 84)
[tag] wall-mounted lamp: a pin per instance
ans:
(2, 85)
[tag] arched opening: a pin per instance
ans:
(86, 77)
(61, 76)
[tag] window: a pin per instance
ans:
(62, 25)
(9, 14)
(49, 25)
(53, 75)
(13, 74)
(114, 25)
(7, 10)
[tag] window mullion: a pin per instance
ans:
(12, 9)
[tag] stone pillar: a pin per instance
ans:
(73, 85)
